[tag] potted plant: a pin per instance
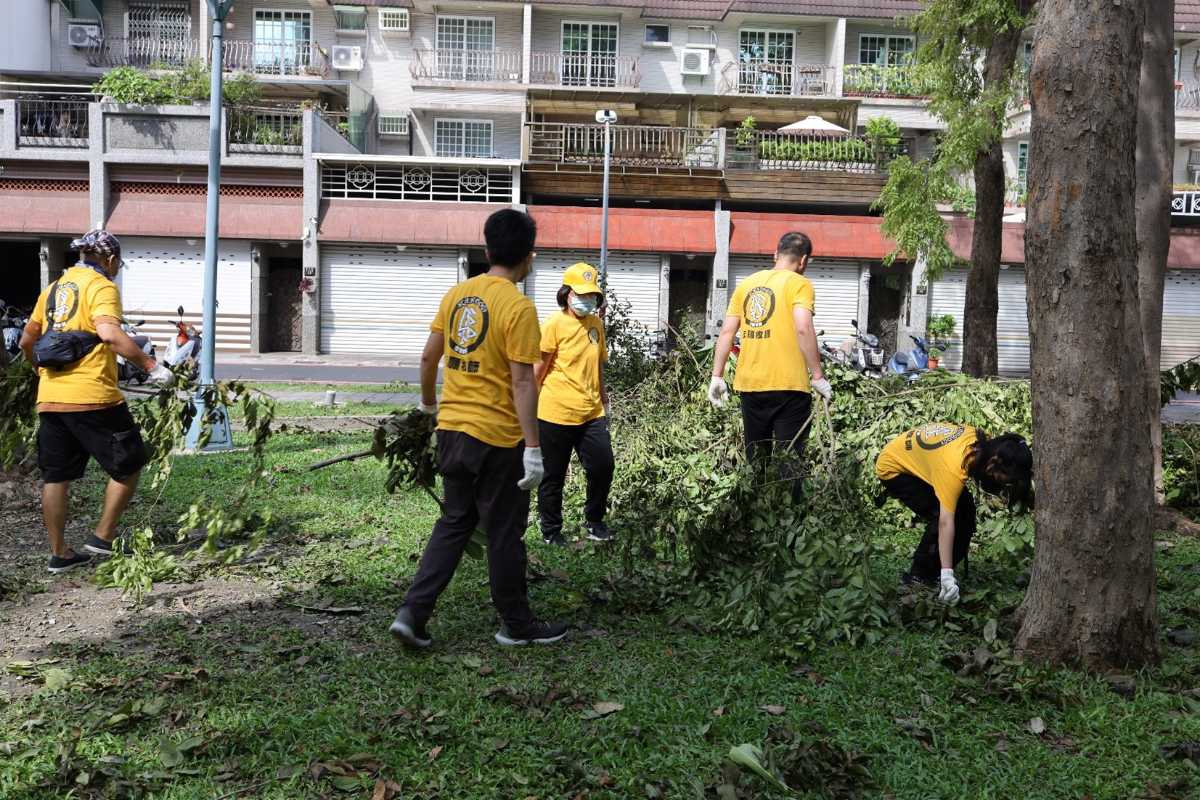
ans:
(745, 142)
(935, 357)
(939, 330)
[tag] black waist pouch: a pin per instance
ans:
(58, 349)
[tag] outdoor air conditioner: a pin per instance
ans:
(347, 58)
(81, 34)
(693, 61)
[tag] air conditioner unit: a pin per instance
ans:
(393, 20)
(347, 58)
(393, 125)
(693, 61)
(81, 34)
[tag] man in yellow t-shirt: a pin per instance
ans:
(573, 404)
(927, 469)
(81, 412)
(773, 311)
(487, 436)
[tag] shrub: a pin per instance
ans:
(840, 151)
(174, 87)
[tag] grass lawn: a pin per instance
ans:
(266, 699)
(340, 388)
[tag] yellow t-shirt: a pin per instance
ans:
(571, 389)
(487, 323)
(82, 296)
(934, 453)
(770, 359)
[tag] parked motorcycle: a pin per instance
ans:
(184, 348)
(835, 355)
(864, 353)
(913, 363)
(127, 372)
(12, 322)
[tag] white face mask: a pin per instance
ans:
(583, 305)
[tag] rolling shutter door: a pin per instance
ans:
(163, 274)
(380, 301)
(948, 296)
(835, 285)
(1181, 317)
(632, 277)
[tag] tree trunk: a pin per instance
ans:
(983, 300)
(1155, 163)
(1091, 597)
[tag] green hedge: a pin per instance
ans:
(837, 150)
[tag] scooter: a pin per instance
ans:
(12, 322)
(864, 352)
(835, 355)
(184, 348)
(913, 363)
(127, 372)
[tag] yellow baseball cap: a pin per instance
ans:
(582, 277)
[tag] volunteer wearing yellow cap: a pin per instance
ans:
(573, 403)
(773, 311)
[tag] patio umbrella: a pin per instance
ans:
(814, 125)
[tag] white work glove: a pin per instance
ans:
(430, 409)
(821, 386)
(608, 408)
(534, 469)
(949, 591)
(162, 375)
(718, 392)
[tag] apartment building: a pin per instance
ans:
(353, 193)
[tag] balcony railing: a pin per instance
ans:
(118, 51)
(877, 80)
(633, 146)
(473, 66)
(1187, 95)
(276, 57)
(769, 150)
(265, 130)
(585, 70)
(52, 123)
(1185, 204)
(417, 181)
(778, 77)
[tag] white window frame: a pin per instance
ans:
(386, 12)
(404, 115)
(648, 25)
(465, 17)
(351, 31)
(888, 37)
(1023, 171)
(303, 61)
(616, 55)
(465, 121)
(788, 81)
(707, 43)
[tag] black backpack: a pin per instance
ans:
(58, 349)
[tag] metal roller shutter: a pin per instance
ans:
(163, 274)
(377, 300)
(634, 277)
(948, 296)
(835, 286)
(1181, 317)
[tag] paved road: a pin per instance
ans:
(332, 373)
(1184, 408)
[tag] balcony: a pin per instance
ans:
(265, 130)
(584, 70)
(420, 179)
(641, 149)
(1187, 96)
(52, 123)
(1185, 204)
(778, 77)
(260, 57)
(466, 66)
(771, 150)
(877, 80)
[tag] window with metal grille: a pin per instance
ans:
(589, 54)
(350, 19)
(891, 51)
(1022, 165)
(462, 138)
(158, 33)
(282, 41)
(393, 20)
(393, 124)
(765, 61)
(466, 48)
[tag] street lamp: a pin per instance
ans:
(606, 117)
(220, 437)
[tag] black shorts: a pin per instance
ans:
(67, 438)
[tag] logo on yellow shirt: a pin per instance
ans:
(594, 335)
(468, 325)
(935, 435)
(66, 303)
(759, 306)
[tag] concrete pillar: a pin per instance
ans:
(526, 41)
(664, 291)
(259, 302)
(835, 44)
(8, 126)
(916, 310)
(52, 255)
(864, 295)
(310, 250)
(98, 188)
(720, 272)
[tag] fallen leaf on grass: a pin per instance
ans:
(602, 710)
(169, 754)
(499, 744)
(333, 609)
(1181, 750)
(915, 729)
(989, 631)
(719, 711)
(1037, 726)
(484, 671)
(435, 752)
(56, 679)
(284, 773)
(774, 711)
(751, 757)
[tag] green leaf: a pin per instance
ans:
(989, 631)
(56, 679)
(750, 757)
(168, 754)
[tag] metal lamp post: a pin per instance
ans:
(606, 117)
(220, 437)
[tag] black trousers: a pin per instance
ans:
(66, 439)
(592, 442)
(480, 484)
(777, 420)
(919, 496)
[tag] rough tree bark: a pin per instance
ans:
(1154, 164)
(1091, 598)
(982, 303)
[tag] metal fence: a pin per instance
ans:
(483, 66)
(441, 183)
(770, 150)
(645, 146)
(584, 69)
(275, 57)
(265, 129)
(141, 51)
(1187, 95)
(878, 80)
(52, 123)
(778, 77)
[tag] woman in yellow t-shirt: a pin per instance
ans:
(927, 469)
(573, 404)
